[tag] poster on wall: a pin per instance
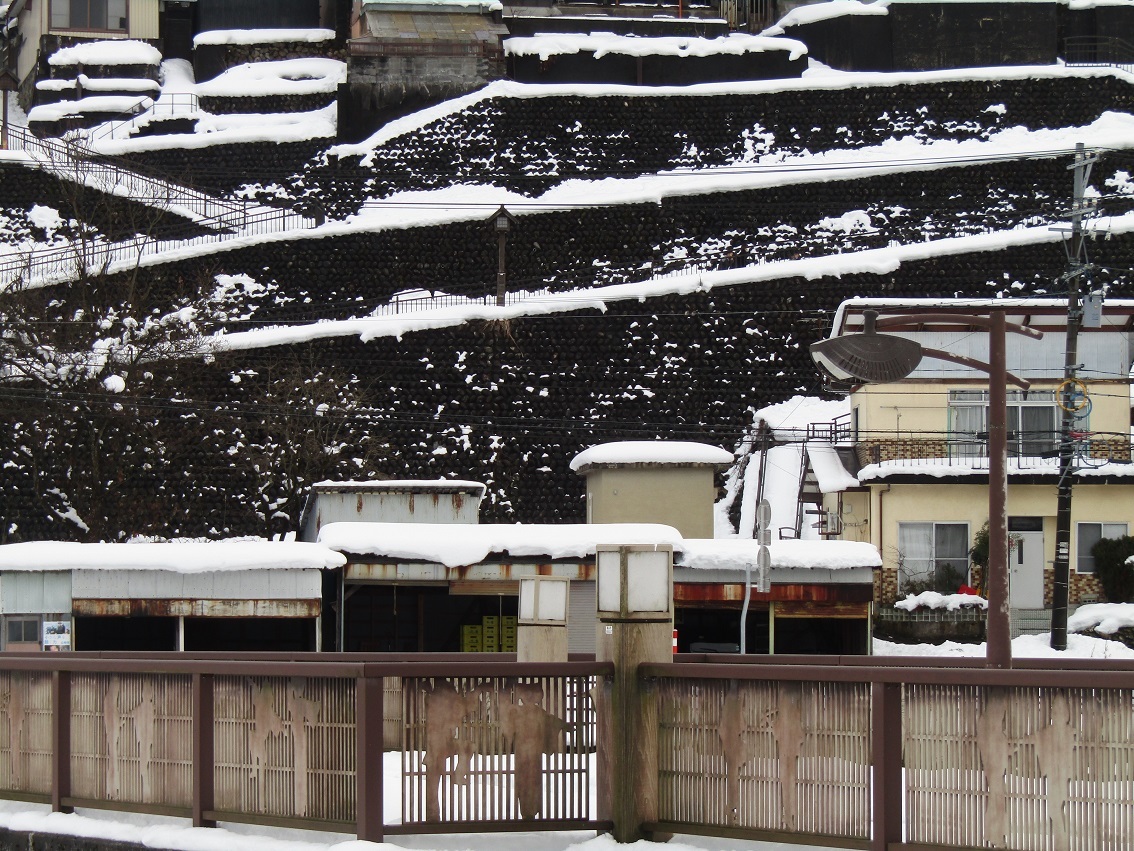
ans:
(56, 635)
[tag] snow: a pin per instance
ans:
(651, 452)
(483, 7)
(1105, 618)
(399, 484)
(812, 13)
(816, 79)
(115, 104)
(934, 600)
(458, 545)
(546, 45)
(265, 36)
(176, 556)
(107, 52)
(789, 420)
(280, 77)
(941, 468)
(1023, 647)
(828, 468)
(735, 553)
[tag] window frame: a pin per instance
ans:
(64, 9)
(1084, 561)
(970, 444)
(934, 561)
(24, 620)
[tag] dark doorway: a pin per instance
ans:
(176, 30)
(828, 636)
(111, 633)
(718, 630)
(281, 635)
(406, 619)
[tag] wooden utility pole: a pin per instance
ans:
(1077, 267)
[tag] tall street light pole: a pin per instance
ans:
(881, 358)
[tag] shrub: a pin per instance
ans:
(1114, 574)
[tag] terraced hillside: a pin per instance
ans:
(223, 445)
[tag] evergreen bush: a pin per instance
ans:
(1114, 574)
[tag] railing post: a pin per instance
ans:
(203, 768)
(886, 757)
(60, 740)
(368, 729)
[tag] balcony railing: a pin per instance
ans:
(1024, 451)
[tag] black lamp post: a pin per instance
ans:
(502, 222)
(877, 358)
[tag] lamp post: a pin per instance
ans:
(881, 358)
(542, 622)
(502, 222)
(635, 626)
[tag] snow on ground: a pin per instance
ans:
(268, 36)
(547, 45)
(280, 77)
(1024, 647)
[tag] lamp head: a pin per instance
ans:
(869, 356)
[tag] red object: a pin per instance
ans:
(675, 641)
(965, 589)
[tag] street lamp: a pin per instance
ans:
(878, 358)
(502, 222)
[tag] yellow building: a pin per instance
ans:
(920, 451)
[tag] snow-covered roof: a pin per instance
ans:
(546, 45)
(482, 7)
(457, 545)
(675, 452)
(735, 553)
(265, 36)
(848, 315)
(789, 420)
(401, 485)
(175, 556)
(313, 75)
(828, 468)
(107, 52)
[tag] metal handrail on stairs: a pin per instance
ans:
(1092, 51)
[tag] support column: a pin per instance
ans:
(60, 740)
(628, 717)
(368, 735)
(886, 758)
(203, 769)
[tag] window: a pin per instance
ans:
(1089, 535)
(932, 557)
(88, 14)
(1033, 423)
(22, 631)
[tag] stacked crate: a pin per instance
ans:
(490, 633)
(508, 634)
(471, 638)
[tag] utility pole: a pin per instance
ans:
(1077, 267)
